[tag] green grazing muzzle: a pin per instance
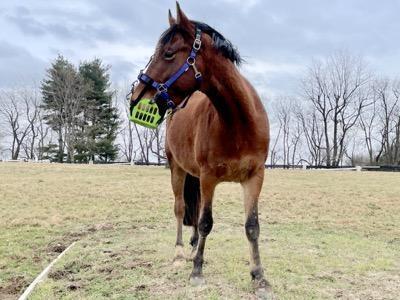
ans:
(146, 113)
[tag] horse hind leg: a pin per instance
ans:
(192, 203)
(251, 190)
(194, 239)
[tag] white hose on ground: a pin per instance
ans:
(43, 274)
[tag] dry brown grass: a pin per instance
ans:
(324, 234)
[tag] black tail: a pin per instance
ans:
(191, 194)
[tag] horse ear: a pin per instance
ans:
(182, 20)
(171, 19)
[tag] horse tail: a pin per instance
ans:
(191, 195)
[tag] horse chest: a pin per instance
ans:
(233, 170)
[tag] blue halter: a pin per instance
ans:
(162, 88)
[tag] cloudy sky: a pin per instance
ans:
(277, 38)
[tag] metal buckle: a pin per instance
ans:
(161, 88)
(197, 44)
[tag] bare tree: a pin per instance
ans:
(396, 124)
(289, 132)
(128, 146)
(43, 131)
(31, 98)
(387, 116)
(284, 112)
(2, 135)
(158, 142)
(284, 118)
(367, 125)
(313, 136)
(297, 133)
(335, 87)
(274, 157)
(127, 133)
(15, 113)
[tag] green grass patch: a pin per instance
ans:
(324, 235)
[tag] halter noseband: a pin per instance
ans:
(162, 88)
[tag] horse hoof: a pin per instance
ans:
(264, 294)
(179, 253)
(179, 257)
(197, 280)
(178, 262)
(263, 290)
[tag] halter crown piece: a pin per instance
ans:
(145, 111)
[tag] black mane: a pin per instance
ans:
(224, 46)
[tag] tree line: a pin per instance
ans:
(342, 114)
(73, 116)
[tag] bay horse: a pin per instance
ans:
(218, 131)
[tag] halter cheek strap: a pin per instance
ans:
(162, 88)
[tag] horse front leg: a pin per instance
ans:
(178, 181)
(205, 223)
(251, 190)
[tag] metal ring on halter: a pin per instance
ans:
(191, 61)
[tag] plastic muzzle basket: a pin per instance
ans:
(146, 113)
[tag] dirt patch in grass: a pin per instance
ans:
(56, 247)
(139, 264)
(16, 284)
(14, 287)
(140, 287)
(62, 243)
(59, 274)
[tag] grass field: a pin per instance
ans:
(324, 235)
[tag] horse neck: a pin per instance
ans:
(231, 95)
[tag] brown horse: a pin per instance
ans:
(221, 133)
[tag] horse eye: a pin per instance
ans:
(169, 55)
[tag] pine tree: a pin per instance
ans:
(97, 140)
(63, 91)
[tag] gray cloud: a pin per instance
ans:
(18, 66)
(122, 70)
(278, 37)
(71, 26)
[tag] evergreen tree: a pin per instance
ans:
(63, 91)
(50, 152)
(99, 131)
